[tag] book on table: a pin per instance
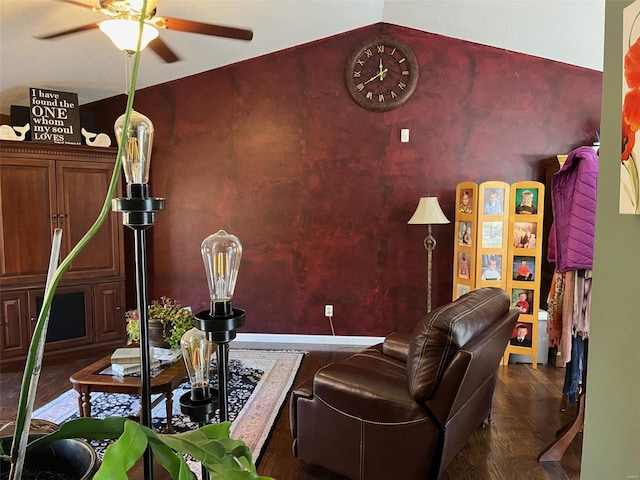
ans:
(124, 356)
(130, 368)
(125, 369)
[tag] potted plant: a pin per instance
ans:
(168, 321)
(223, 457)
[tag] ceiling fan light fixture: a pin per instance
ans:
(127, 6)
(124, 33)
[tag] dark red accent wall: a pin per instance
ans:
(319, 190)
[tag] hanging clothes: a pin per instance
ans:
(573, 375)
(571, 244)
(581, 321)
(554, 309)
(573, 197)
(567, 316)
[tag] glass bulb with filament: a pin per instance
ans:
(221, 254)
(137, 153)
(196, 353)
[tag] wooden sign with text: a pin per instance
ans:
(55, 117)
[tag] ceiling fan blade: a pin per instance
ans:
(163, 50)
(83, 28)
(205, 28)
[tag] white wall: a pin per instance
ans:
(569, 31)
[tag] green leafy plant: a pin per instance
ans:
(175, 319)
(222, 456)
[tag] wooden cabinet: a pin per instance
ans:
(14, 332)
(108, 299)
(70, 317)
(39, 195)
(27, 192)
(43, 187)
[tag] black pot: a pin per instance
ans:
(68, 459)
(157, 332)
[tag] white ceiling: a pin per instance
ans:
(87, 63)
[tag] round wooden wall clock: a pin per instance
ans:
(381, 73)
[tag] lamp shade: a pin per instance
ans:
(428, 212)
(124, 33)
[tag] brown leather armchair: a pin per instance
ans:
(404, 408)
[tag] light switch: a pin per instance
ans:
(404, 135)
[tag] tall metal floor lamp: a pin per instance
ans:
(428, 213)
(138, 213)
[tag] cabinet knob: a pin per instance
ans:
(33, 319)
(118, 307)
(54, 216)
(61, 216)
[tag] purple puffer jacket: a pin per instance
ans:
(573, 198)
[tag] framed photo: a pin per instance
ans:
(524, 268)
(522, 300)
(521, 335)
(491, 234)
(525, 234)
(629, 202)
(464, 265)
(491, 267)
(494, 201)
(527, 201)
(465, 233)
(465, 203)
(462, 289)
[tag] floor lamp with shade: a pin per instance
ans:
(428, 213)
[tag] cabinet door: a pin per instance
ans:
(82, 188)
(27, 209)
(70, 318)
(14, 330)
(108, 312)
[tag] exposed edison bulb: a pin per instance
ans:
(221, 254)
(137, 152)
(196, 352)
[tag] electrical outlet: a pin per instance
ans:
(328, 310)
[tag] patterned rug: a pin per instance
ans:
(259, 383)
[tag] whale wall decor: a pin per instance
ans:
(15, 134)
(96, 139)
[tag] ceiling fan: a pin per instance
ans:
(125, 13)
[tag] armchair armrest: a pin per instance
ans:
(396, 345)
(302, 391)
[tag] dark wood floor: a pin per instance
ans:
(526, 415)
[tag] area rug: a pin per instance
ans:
(259, 383)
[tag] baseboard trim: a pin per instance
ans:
(265, 340)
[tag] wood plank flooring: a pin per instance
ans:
(526, 415)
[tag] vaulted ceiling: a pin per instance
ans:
(569, 31)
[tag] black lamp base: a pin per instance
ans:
(199, 411)
(220, 324)
(220, 327)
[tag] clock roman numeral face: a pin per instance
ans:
(382, 73)
(381, 68)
